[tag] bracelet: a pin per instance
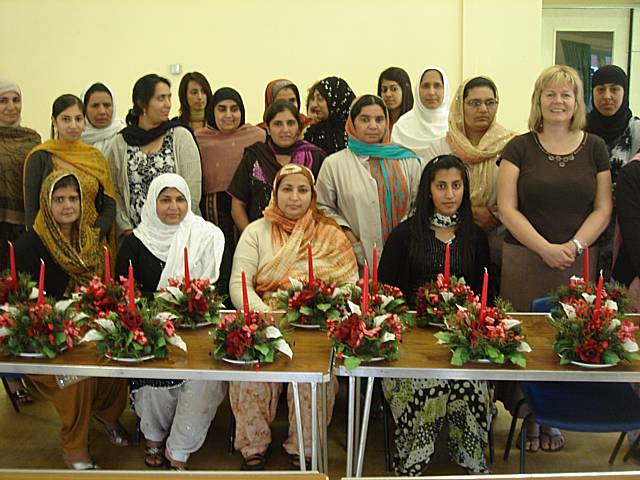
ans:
(579, 246)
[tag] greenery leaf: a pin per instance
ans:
(351, 363)
(263, 349)
(323, 307)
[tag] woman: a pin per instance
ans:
(65, 151)
(283, 89)
(311, 113)
(330, 104)
(62, 237)
(101, 124)
(250, 188)
(222, 145)
(414, 255)
(554, 198)
(394, 87)
(174, 414)
(194, 93)
(149, 146)
(427, 120)
(370, 186)
(271, 251)
(612, 120)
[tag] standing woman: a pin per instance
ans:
(194, 93)
(252, 183)
(330, 103)
(370, 186)
(394, 87)
(427, 120)
(283, 89)
(414, 255)
(554, 197)
(222, 145)
(150, 146)
(101, 124)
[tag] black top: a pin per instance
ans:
(29, 249)
(627, 265)
(396, 267)
(147, 268)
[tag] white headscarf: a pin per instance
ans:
(204, 241)
(101, 138)
(421, 125)
(7, 86)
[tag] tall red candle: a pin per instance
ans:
(485, 290)
(187, 278)
(596, 306)
(107, 265)
(585, 265)
(12, 267)
(375, 270)
(41, 284)
(310, 263)
(365, 290)
(447, 264)
(131, 293)
(245, 296)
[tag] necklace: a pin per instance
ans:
(443, 221)
(561, 160)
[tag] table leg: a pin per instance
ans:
(350, 426)
(365, 425)
(296, 404)
(358, 405)
(324, 429)
(314, 426)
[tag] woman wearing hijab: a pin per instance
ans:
(174, 414)
(62, 237)
(101, 124)
(370, 186)
(150, 146)
(271, 251)
(283, 89)
(251, 185)
(394, 87)
(222, 145)
(427, 120)
(330, 104)
(194, 93)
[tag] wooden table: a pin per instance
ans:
(422, 357)
(311, 363)
(131, 474)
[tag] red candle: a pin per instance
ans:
(485, 290)
(375, 269)
(12, 266)
(365, 290)
(41, 284)
(447, 264)
(245, 296)
(107, 266)
(596, 307)
(310, 263)
(187, 278)
(131, 293)
(585, 264)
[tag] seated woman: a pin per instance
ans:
(414, 255)
(102, 124)
(63, 237)
(270, 251)
(194, 93)
(173, 413)
(394, 87)
(251, 185)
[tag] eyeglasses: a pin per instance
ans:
(490, 103)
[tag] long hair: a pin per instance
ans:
(420, 225)
(143, 91)
(401, 77)
(200, 79)
(60, 104)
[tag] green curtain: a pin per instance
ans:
(578, 56)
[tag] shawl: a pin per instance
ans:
(101, 137)
(610, 128)
(416, 128)
(333, 257)
(81, 258)
(329, 134)
(10, 86)
(270, 93)
(222, 152)
(204, 241)
(139, 137)
(483, 155)
(15, 144)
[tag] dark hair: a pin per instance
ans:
(365, 101)
(143, 91)
(420, 226)
(476, 82)
(61, 103)
(224, 93)
(200, 79)
(398, 75)
(280, 106)
(96, 87)
(69, 180)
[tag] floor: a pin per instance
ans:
(30, 439)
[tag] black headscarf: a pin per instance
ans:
(329, 134)
(610, 128)
(224, 93)
(398, 75)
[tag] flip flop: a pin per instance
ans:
(118, 436)
(154, 456)
(550, 436)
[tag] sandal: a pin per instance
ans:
(90, 465)
(23, 396)
(175, 464)
(154, 456)
(295, 461)
(117, 435)
(532, 441)
(551, 439)
(257, 461)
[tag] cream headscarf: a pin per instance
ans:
(204, 241)
(7, 86)
(416, 128)
(101, 138)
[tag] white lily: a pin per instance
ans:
(461, 308)
(510, 323)
(162, 317)
(164, 296)
(92, 336)
(447, 296)
(337, 291)
(76, 296)
(177, 341)
(175, 291)
(62, 305)
(589, 298)
(611, 305)
(282, 346)
(524, 347)
(386, 300)
(387, 337)
(354, 308)
(34, 293)
(379, 320)
(629, 345)
(79, 316)
(106, 324)
(272, 332)
(295, 283)
(5, 332)
(8, 308)
(569, 311)
(574, 278)
(613, 325)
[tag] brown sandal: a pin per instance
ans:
(154, 456)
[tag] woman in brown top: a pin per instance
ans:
(554, 197)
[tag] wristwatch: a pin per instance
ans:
(579, 246)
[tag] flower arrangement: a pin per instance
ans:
(18, 290)
(384, 298)
(439, 300)
(587, 326)
(97, 299)
(194, 302)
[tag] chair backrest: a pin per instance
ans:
(543, 304)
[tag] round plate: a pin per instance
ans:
(374, 359)
(233, 361)
(304, 326)
(592, 365)
(38, 355)
(130, 360)
(435, 324)
(481, 360)
(197, 325)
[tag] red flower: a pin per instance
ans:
(235, 344)
(169, 328)
(591, 351)
(138, 336)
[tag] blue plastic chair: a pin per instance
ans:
(543, 304)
